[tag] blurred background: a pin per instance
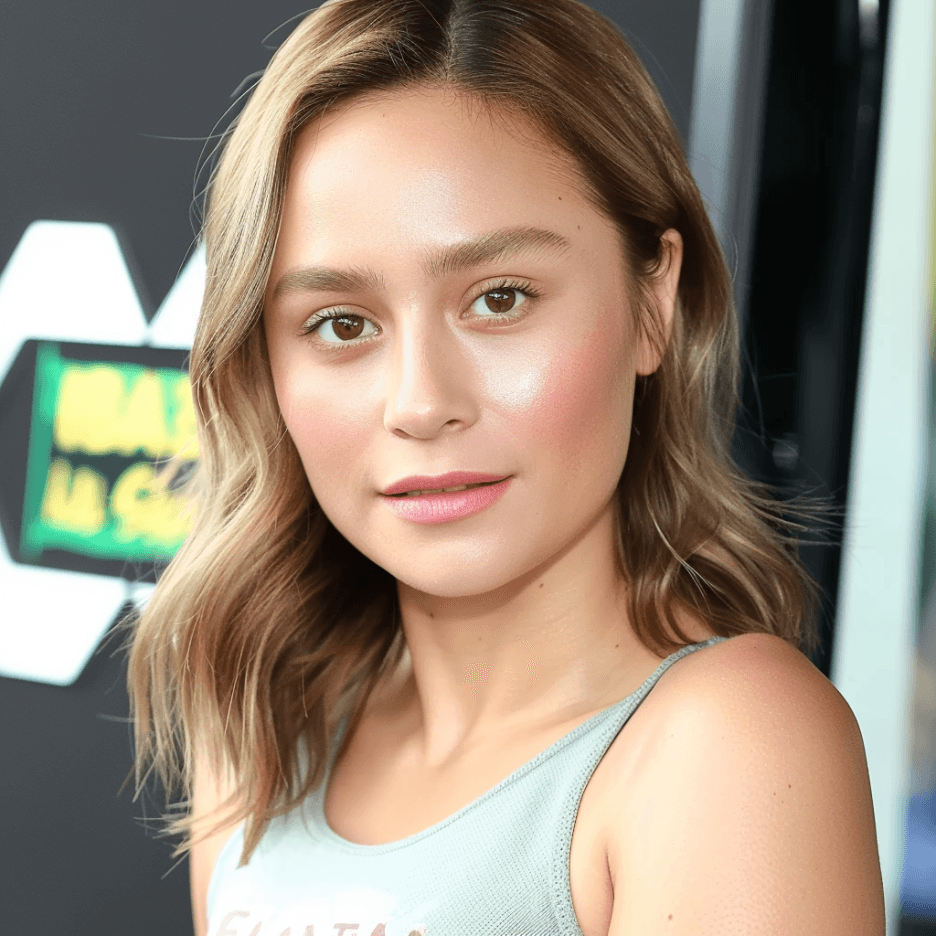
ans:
(809, 126)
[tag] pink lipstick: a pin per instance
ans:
(422, 498)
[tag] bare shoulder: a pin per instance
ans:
(755, 681)
(751, 809)
(763, 659)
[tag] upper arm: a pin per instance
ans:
(208, 793)
(752, 813)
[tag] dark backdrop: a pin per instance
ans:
(96, 95)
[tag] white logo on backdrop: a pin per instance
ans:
(68, 281)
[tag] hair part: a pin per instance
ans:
(268, 628)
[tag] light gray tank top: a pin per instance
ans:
(497, 867)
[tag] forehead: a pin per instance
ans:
(432, 161)
(440, 125)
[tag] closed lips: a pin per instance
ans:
(460, 487)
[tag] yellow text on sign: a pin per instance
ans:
(101, 410)
(137, 507)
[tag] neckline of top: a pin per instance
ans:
(319, 797)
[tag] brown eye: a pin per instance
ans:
(500, 300)
(340, 328)
(348, 327)
(503, 300)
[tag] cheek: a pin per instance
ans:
(574, 397)
(326, 426)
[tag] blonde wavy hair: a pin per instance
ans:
(268, 628)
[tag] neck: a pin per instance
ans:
(551, 646)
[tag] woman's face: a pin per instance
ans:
(478, 320)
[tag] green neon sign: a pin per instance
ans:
(98, 429)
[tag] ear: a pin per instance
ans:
(662, 295)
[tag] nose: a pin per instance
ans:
(428, 383)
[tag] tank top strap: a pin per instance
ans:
(586, 755)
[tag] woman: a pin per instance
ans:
(465, 376)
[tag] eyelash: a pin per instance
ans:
(524, 287)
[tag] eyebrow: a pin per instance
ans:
(436, 263)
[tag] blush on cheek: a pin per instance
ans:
(573, 399)
(328, 432)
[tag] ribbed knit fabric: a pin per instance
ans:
(497, 867)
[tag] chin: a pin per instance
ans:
(452, 583)
(494, 576)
